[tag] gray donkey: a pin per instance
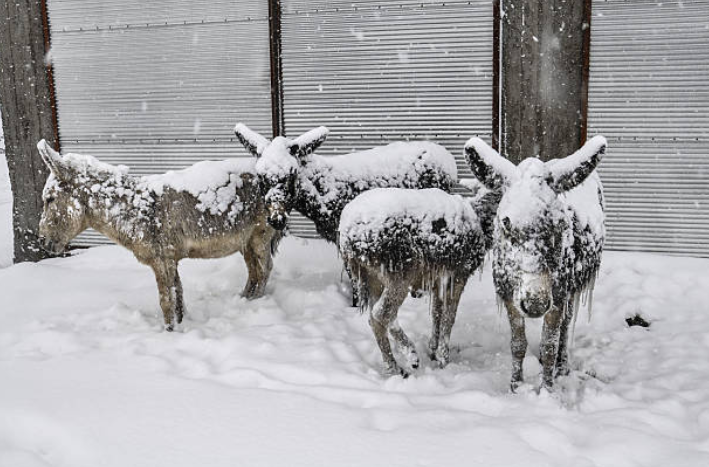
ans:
(209, 210)
(548, 237)
(395, 240)
(320, 187)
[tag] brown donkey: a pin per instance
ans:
(209, 210)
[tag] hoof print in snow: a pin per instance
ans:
(637, 320)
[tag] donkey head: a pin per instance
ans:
(532, 227)
(64, 216)
(277, 166)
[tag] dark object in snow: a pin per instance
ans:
(393, 240)
(320, 187)
(637, 320)
(209, 210)
(547, 243)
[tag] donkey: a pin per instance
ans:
(547, 243)
(394, 240)
(320, 187)
(209, 210)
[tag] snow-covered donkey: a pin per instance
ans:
(548, 238)
(320, 187)
(209, 210)
(394, 240)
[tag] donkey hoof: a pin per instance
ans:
(169, 327)
(443, 360)
(442, 356)
(547, 385)
(563, 370)
(412, 358)
(395, 370)
(515, 385)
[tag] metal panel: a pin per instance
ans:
(159, 85)
(376, 72)
(649, 94)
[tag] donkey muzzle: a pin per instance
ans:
(535, 294)
(51, 246)
(278, 221)
(535, 306)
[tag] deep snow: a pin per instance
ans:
(87, 378)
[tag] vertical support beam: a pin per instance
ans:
(496, 81)
(274, 17)
(29, 114)
(544, 77)
(587, 15)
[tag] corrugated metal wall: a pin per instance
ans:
(159, 85)
(380, 71)
(374, 72)
(649, 94)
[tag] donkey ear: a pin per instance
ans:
(252, 141)
(488, 166)
(309, 142)
(571, 171)
(54, 161)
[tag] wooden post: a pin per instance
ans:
(544, 56)
(274, 26)
(29, 114)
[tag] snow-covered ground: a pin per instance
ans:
(87, 378)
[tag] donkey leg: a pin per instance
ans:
(450, 310)
(179, 298)
(252, 267)
(380, 318)
(518, 344)
(562, 355)
(404, 344)
(259, 263)
(165, 276)
(550, 344)
(436, 315)
(359, 290)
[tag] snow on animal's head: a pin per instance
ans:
(277, 167)
(533, 227)
(71, 176)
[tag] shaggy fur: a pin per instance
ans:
(320, 187)
(547, 243)
(157, 222)
(392, 250)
